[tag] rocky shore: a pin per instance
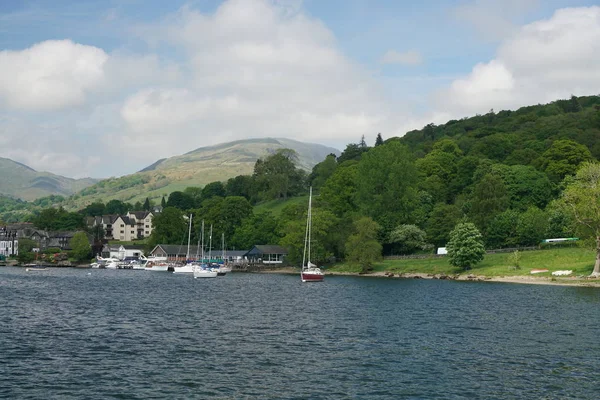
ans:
(583, 281)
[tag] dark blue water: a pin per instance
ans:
(72, 333)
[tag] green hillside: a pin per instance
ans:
(195, 168)
(22, 182)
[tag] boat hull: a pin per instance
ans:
(205, 274)
(312, 277)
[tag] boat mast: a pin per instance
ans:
(202, 242)
(307, 233)
(187, 255)
(223, 246)
(210, 244)
(309, 223)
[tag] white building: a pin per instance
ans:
(9, 244)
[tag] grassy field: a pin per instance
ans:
(580, 260)
(275, 206)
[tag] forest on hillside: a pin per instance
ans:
(504, 172)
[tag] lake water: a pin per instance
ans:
(124, 334)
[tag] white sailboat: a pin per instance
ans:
(224, 268)
(200, 269)
(310, 272)
(187, 268)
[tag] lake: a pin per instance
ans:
(73, 333)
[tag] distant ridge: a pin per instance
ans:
(197, 167)
(20, 181)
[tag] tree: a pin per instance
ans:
(94, 209)
(338, 194)
(163, 202)
(116, 207)
(378, 140)
(582, 196)
(80, 247)
(563, 158)
(362, 247)
(407, 239)
(277, 176)
(386, 185)
(241, 185)
(255, 229)
(180, 200)
(213, 189)
(489, 199)
(147, 204)
(441, 222)
(169, 227)
(465, 247)
(322, 171)
(532, 226)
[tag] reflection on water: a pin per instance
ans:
(70, 333)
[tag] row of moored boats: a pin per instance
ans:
(199, 269)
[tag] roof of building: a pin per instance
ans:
(267, 249)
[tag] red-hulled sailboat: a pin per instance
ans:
(310, 272)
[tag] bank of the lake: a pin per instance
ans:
(494, 268)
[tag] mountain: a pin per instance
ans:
(20, 181)
(196, 168)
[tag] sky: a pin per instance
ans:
(102, 88)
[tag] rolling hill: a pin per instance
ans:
(196, 168)
(23, 182)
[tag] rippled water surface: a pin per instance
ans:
(80, 333)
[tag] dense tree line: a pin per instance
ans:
(503, 174)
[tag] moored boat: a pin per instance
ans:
(310, 272)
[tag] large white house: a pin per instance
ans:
(133, 225)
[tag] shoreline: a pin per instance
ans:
(520, 279)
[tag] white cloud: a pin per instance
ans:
(407, 58)
(50, 75)
(494, 19)
(256, 68)
(542, 62)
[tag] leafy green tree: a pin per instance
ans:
(353, 151)
(560, 220)
(563, 158)
(163, 202)
(407, 239)
(465, 248)
(532, 226)
(277, 176)
(261, 228)
(169, 227)
(180, 200)
(362, 247)
(147, 205)
(322, 171)
(26, 245)
(582, 196)
(116, 207)
(441, 222)
(525, 185)
(195, 193)
(94, 209)
(338, 194)
(378, 140)
(241, 185)
(387, 185)
(80, 247)
(213, 189)
(234, 210)
(489, 199)
(502, 231)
